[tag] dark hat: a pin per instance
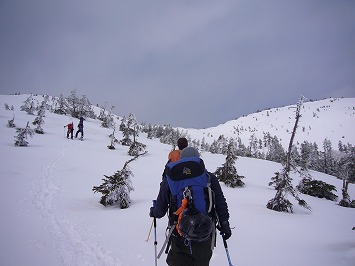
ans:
(189, 152)
(182, 143)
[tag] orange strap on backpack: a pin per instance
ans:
(179, 212)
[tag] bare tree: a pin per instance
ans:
(283, 180)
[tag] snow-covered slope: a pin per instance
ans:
(333, 119)
(50, 216)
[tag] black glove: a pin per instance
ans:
(225, 230)
(151, 212)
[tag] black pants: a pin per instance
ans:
(79, 130)
(183, 254)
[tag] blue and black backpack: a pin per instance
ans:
(192, 199)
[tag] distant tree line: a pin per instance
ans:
(308, 155)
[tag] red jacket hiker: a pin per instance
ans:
(70, 130)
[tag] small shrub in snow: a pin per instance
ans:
(113, 140)
(22, 136)
(116, 188)
(136, 148)
(317, 188)
(11, 122)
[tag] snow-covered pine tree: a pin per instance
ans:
(219, 145)
(85, 108)
(39, 119)
(136, 147)
(150, 132)
(61, 105)
(107, 119)
(307, 185)
(275, 152)
(116, 188)
(283, 180)
(113, 140)
(73, 103)
(11, 122)
(126, 141)
(29, 106)
(346, 172)
(327, 159)
(227, 173)
(22, 135)
(79, 107)
(44, 104)
(317, 188)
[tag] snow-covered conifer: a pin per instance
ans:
(11, 122)
(346, 171)
(20, 139)
(39, 119)
(283, 180)
(327, 160)
(317, 188)
(28, 106)
(116, 188)
(135, 148)
(39, 122)
(227, 173)
(107, 119)
(113, 140)
(73, 103)
(126, 141)
(61, 105)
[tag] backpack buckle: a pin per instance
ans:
(187, 193)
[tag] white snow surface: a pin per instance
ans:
(50, 215)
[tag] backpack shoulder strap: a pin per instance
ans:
(209, 191)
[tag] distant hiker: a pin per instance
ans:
(80, 127)
(195, 201)
(175, 154)
(70, 131)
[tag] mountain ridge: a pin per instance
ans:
(332, 118)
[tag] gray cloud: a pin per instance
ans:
(190, 64)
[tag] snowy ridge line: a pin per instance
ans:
(64, 233)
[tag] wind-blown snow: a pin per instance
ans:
(50, 216)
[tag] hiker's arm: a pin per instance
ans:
(221, 204)
(162, 203)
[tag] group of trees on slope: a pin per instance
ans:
(339, 163)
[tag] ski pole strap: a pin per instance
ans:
(166, 241)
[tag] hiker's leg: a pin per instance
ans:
(179, 254)
(202, 253)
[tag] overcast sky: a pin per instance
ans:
(180, 62)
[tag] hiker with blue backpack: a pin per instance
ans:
(195, 203)
(80, 127)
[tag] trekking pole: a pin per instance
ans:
(155, 241)
(155, 238)
(227, 252)
(150, 231)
